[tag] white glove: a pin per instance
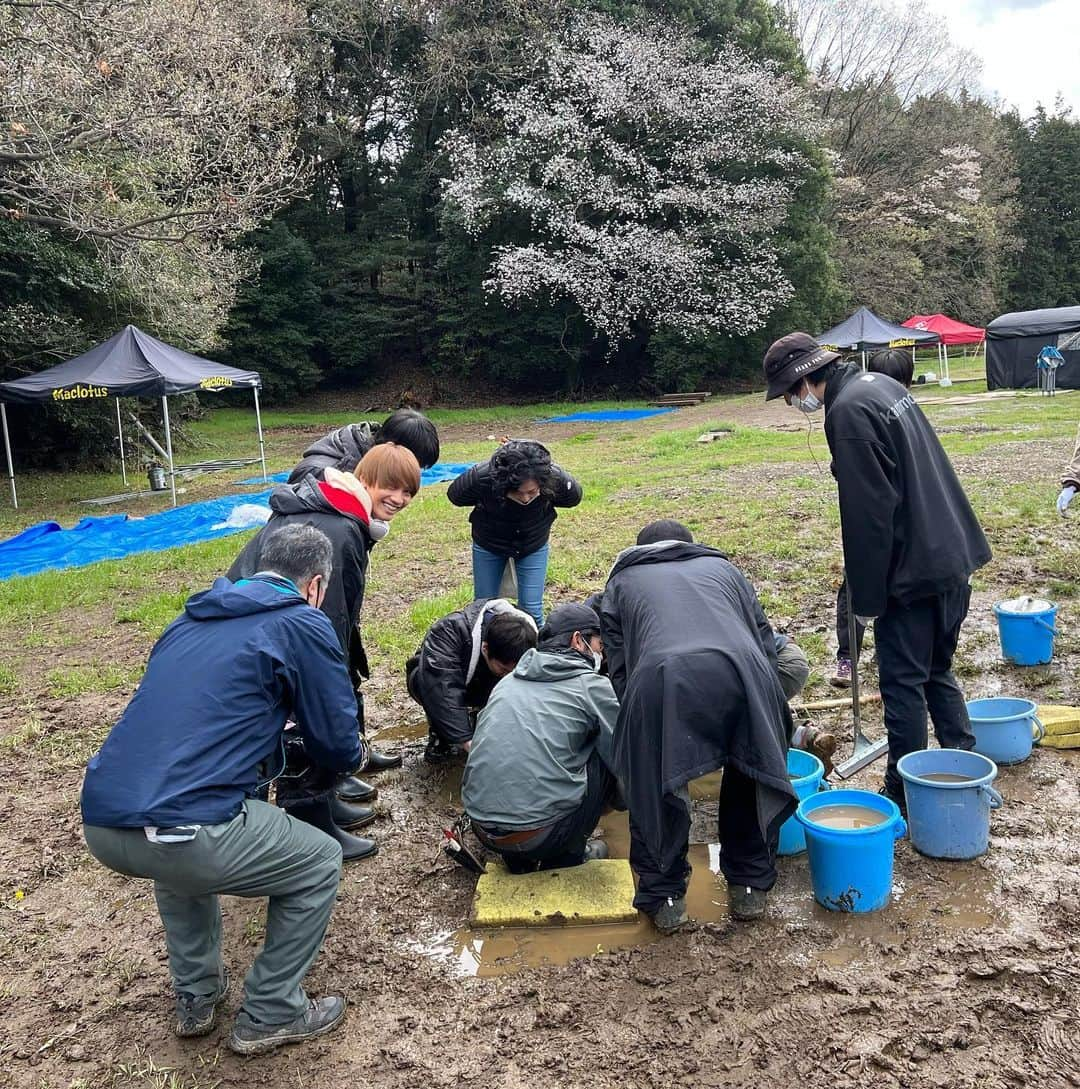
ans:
(1065, 498)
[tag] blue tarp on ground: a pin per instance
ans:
(609, 415)
(440, 472)
(113, 536)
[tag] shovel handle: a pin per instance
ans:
(853, 650)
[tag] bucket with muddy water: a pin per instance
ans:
(949, 798)
(806, 772)
(1005, 728)
(849, 840)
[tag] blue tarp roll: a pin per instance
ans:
(439, 472)
(610, 415)
(113, 536)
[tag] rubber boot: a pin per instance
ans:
(348, 816)
(353, 790)
(318, 813)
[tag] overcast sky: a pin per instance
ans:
(1030, 49)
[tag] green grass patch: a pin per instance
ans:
(66, 681)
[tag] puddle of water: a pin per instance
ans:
(953, 899)
(408, 731)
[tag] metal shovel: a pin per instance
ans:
(864, 751)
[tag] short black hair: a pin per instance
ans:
(414, 431)
(822, 374)
(508, 636)
(298, 553)
(894, 362)
(517, 461)
(666, 529)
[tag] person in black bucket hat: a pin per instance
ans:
(911, 540)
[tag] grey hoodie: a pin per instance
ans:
(526, 767)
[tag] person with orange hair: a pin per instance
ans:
(353, 510)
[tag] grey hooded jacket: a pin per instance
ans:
(526, 767)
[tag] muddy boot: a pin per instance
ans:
(353, 790)
(670, 915)
(348, 816)
(251, 1037)
(319, 814)
(196, 1015)
(442, 752)
(747, 903)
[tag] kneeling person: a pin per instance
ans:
(538, 773)
(454, 670)
(173, 794)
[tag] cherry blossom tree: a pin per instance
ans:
(638, 176)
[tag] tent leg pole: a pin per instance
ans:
(168, 446)
(120, 435)
(7, 450)
(258, 424)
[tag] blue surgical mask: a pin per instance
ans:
(807, 404)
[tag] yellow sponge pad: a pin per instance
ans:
(600, 891)
(1062, 726)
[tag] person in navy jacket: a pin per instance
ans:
(173, 794)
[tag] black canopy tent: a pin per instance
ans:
(1013, 342)
(130, 364)
(865, 332)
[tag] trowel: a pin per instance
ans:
(864, 751)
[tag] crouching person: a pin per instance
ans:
(454, 670)
(538, 773)
(172, 795)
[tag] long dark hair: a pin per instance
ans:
(517, 461)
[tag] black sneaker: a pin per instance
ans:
(196, 1015)
(440, 752)
(251, 1037)
(670, 915)
(747, 903)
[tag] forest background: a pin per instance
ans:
(503, 198)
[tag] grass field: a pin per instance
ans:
(79, 946)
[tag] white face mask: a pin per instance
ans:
(598, 660)
(807, 404)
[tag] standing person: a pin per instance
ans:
(911, 539)
(456, 667)
(693, 664)
(514, 496)
(1070, 485)
(539, 774)
(343, 448)
(172, 794)
(900, 366)
(353, 510)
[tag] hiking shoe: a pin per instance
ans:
(251, 1037)
(196, 1015)
(899, 799)
(842, 677)
(747, 903)
(439, 752)
(596, 848)
(670, 915)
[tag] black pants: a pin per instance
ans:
(843, 642)
(563, 843)
(746, 858)
(915, 647)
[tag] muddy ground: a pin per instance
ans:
(970, 978)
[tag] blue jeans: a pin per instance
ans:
(488, 570)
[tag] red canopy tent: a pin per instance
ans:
(949, 332)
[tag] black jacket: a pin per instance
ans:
(303, 504)
(341, 449)
(693, 663)
(908, 528)
(448, 675)
(502, 526)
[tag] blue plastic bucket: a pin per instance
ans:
(1027, 639)
(807, 772)
(1004, 728)
(851, 870)
(949, 820)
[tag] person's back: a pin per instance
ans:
(211, 707)
(908, 527)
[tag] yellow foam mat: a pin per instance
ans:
(601, 891)
(1062, 726)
